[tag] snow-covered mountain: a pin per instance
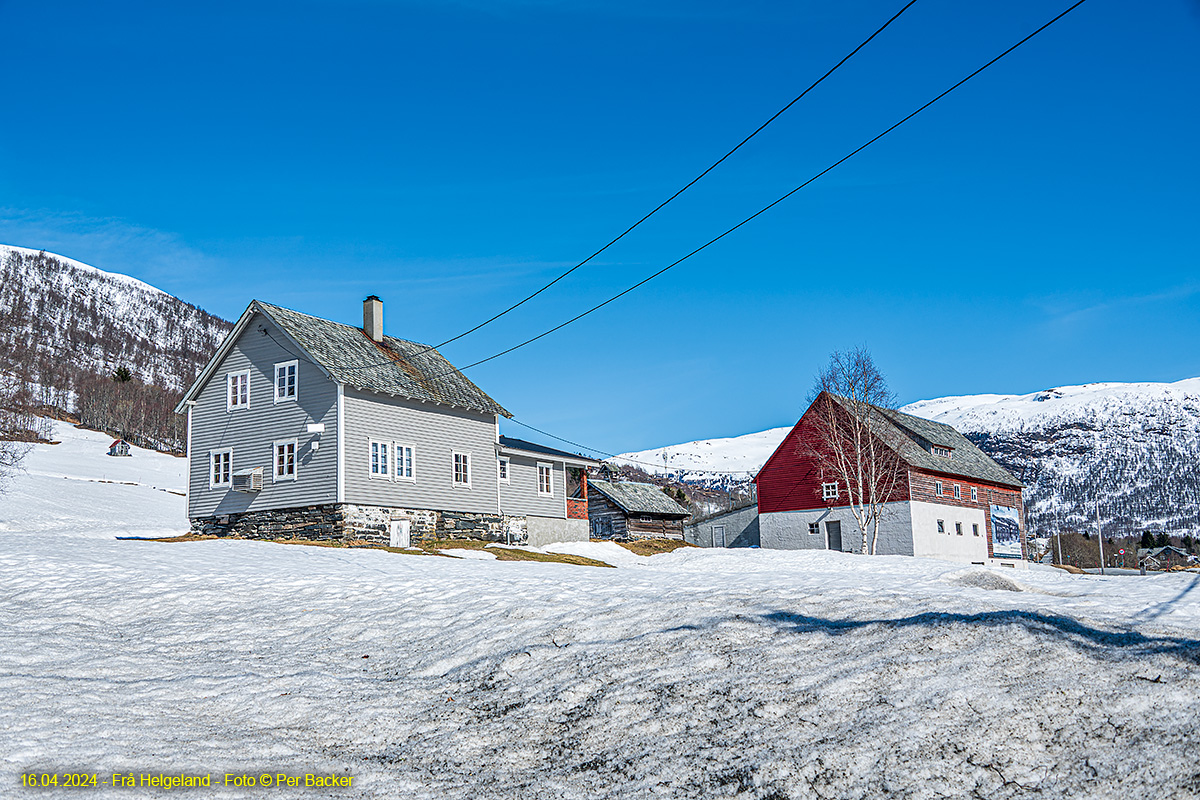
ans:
(58, 315)
(1134, 447)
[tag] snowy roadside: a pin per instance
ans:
(693, 674)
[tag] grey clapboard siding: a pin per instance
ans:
(251, 432)
(434, 432)
(520, 495)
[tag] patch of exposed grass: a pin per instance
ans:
(652, 547)
(508, 553)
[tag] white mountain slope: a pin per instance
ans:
(57, 313)
(702, 673)
(1135, 447)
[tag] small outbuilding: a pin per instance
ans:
(119, 448)
(633, 511)
(737, 527)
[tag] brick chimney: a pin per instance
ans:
(373, 318)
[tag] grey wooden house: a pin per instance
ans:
(303, 427)
(633, 511)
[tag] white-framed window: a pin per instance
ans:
(381, 459)
(944, 452)
(285, 460)
(957, 492)
(958, 528)
(975, 528)
(814, 529)
(941, 526)
(462, 469)
(938, 489)
(220, 468)
(502, 467)
(829, 491)
(974, 494)
(545, 479)
(285, 381)
(237, 390)
(405, 461)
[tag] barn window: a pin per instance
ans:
(545, 480)
(941, 526)
(285, 381)
(958, 528)
(957, 492)
(503, 468)
(938, 489)
(221, 468)
(237, 390)
(975, 528)
(814, 529)
(404, 462)
(829, 491)
(285, 460)
(975, 494)
(944, 452)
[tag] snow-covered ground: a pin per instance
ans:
(702, 673)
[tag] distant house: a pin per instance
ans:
(1164, 557)
(954, 502)
(306, 428)
(734, 528)
(626, 511)
(119, 448)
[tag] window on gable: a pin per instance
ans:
(237, 390)
(502, 467)
(938, 489)
(957, 492)
(380, 459)
(285, 460)
(545, 480)
(285, 381)
(829, 491)
(941, 526)
(220, 468)
(975, 494)
(462, 469)
(958, 528)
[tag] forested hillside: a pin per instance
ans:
(113, 350)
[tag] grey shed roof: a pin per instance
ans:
(912, 437)
(509, 443)
(395, 366)
(639, 498)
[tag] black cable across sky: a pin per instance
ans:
(687, 186)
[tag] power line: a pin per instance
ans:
(766, 208)
(687, 186)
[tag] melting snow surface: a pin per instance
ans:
(697, 674)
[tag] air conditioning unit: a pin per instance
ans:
(248, 480)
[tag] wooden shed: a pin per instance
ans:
(633, 511)
(119, 448)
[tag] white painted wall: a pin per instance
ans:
(949, 546)
(788, 530)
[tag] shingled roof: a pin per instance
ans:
(639, 498)
(913, 438)
(394, 366)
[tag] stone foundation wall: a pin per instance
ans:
(345, 522)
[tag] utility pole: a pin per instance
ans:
(1100, 536)
(1058, 535)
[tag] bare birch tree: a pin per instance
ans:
(854, 440)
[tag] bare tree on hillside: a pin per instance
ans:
(852, 441)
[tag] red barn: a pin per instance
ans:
(952, 500)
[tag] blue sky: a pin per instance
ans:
(1036, 228)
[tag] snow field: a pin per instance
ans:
(695, 674)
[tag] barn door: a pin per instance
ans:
(833, 529)
(718, 537)
(398, 531)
